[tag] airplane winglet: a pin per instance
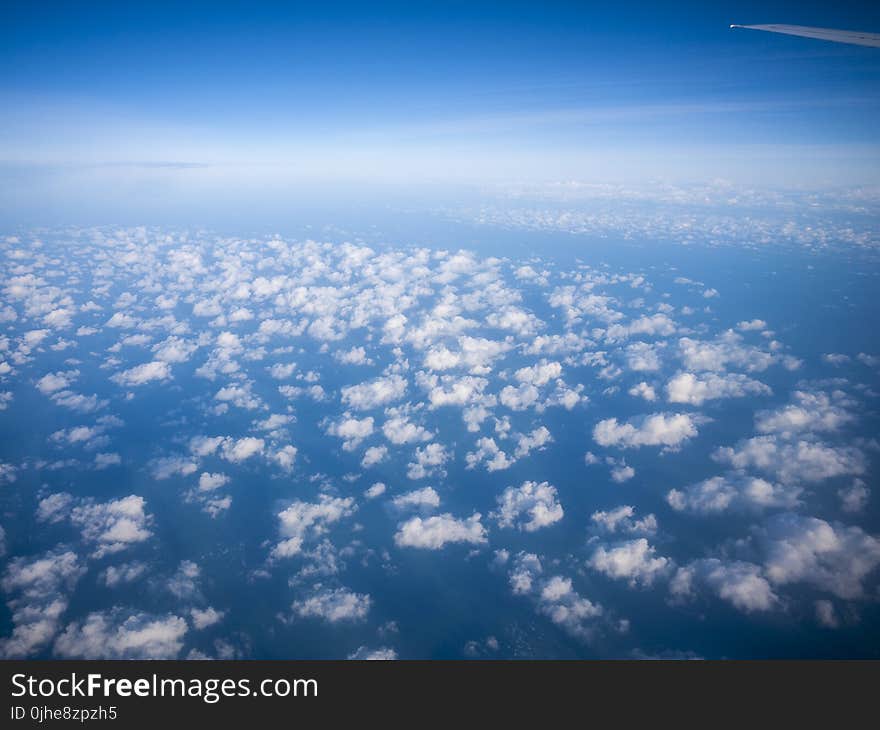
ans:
(854, 37)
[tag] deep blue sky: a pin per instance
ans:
(416, 91)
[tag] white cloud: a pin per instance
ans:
(427, 461)
(121, 320)
(633, 561)
(398, 429)
(669, 430)
(528, 273)
(739, 583)
(793, 462)
(526, 443)
(282, 371)
(836, 358)
(334, 605)
(207, 308)
(7, 473)
(719, 494)
(555, 597)
(725, 351)
(215, 506)
(351, 430)
(528, 507)
(116, 575)
(143, 374)
(854, 497)
(205, 445)
(242, 449)
(54, 508)
(565, 397)
(38, 590)
(174, 350)
(106, 460)
(303, 520)
(210, 481)
(442, 329)
(202, 618)
(490, 454)
(383, 653)
(643, 390)
(642, 357)
(655, 324)
(287, 548)
(53, 382)
(565, 607)
(621, 473)
(374, 455)
(448, 390)
(91, 437)
(274, 422)
(474, 354)
(826, 615)
(375, 490)
(811, 412)
(696, 390)
(539, 374)
(354, 356)
(832, 558)
(425, 498)
(241, 396)
(796, 549)
(519, 398)
(374, 393)
(77, 401)
(169, 466)
(555, 344)
(113, 635)
(436, 532)
(112, 526)
(751, 325)
(184, 583)
(622, 519)
(514, 319)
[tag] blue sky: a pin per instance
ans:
(469, 330)
(277, 94)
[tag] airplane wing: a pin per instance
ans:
(825, 34)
